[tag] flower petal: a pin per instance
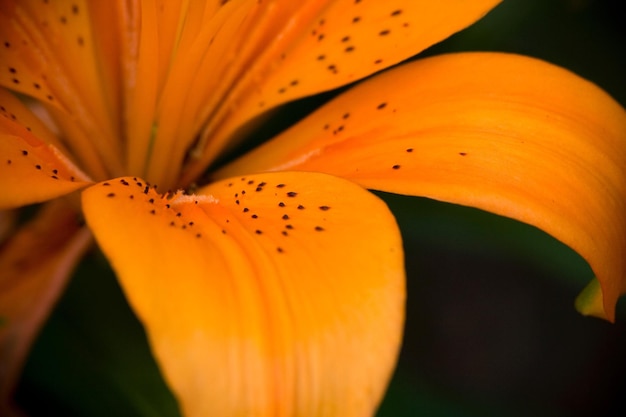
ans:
(268, 295)
(508, 134)
(35, 265)
(303, 48)
(32, 171)
(51, 55)
(16, 118)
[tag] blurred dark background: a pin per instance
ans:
(491, 327)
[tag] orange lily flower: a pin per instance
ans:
(277, 288)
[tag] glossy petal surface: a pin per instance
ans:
(35, 263)
(279, 294)
(296, 49)
(508, 134)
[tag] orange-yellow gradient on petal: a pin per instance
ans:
(505, 133)
(279, 294)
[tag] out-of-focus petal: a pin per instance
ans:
(35, 263)
(50, 54)
(33, 172)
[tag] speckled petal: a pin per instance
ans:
(299, 48)
(275, 295)
(509, 134)
(35, 263)
(49, 53)
(31, 170)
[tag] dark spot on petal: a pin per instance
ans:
(383, 32)
(300, 207)
(396, 12)
(324, 208)
(285, 217)
(409, 150)
(292, 194)
(381, 106)
(281, 204)
(38, 166)
(396, 167)
(462, 153)
(319, 228)
(111, 195)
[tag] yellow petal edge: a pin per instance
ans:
(279, 294)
